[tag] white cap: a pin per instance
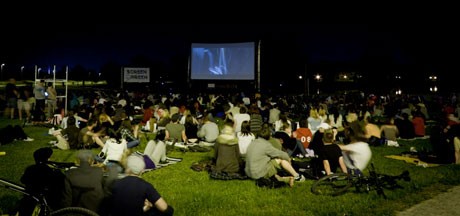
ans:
(136, 164)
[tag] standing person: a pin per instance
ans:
(39, 94)
(11, 97)
(51, 100)
(24, 102)
(132, 195)
(41, 179)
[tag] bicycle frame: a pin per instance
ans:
(339, 183)
(43, 208)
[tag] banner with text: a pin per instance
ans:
(136, 75)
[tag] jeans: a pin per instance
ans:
(133, 143)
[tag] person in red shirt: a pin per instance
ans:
(148, 113)
(419, 124)
(303, 133)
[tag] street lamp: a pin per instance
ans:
(318, 79)
(22, 70)
(1, 71)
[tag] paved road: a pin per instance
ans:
(447, 203)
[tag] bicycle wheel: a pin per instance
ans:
(74, 211)
(332, 185)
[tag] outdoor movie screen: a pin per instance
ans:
(224, 61)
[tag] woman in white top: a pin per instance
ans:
(283, 124)
(238, 119)
(113, 151)
(314, 120)
(245, 137)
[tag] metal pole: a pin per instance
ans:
(121, 80)
(66, 88)
(189, 73)
(258, 66)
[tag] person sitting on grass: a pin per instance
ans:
(114, 150)
(11, 133)
(227, 155)
(175, 131)
(67, 138)
(265, 161)
(40, 178)
(331, 154)
(88, 138)
(85, 186)
(357, 153)
(127, 132)
(156, 151)
(209, 130)
(132, 195)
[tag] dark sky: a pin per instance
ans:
(372, 43)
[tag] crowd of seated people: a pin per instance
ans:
(258, 138)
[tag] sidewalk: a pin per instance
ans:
(447, 203)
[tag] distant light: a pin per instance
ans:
(317, 77)
(300, 77)
(398, 92)
(398, 77)
(345, 76)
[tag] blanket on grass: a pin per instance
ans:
(412, 160)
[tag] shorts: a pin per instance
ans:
(12, 103)
(457, 144)
(23, 105)
(273, 168)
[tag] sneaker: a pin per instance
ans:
(167, 162)
(300, 178)
(173, 159)
(28, 139)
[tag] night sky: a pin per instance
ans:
(374, 46)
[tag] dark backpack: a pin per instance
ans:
(271, 182)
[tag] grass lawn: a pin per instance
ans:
(194, 193)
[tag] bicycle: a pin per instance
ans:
(42, 208)
(339, 183)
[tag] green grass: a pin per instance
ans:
(194, 193)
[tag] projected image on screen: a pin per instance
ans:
(227, 61)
